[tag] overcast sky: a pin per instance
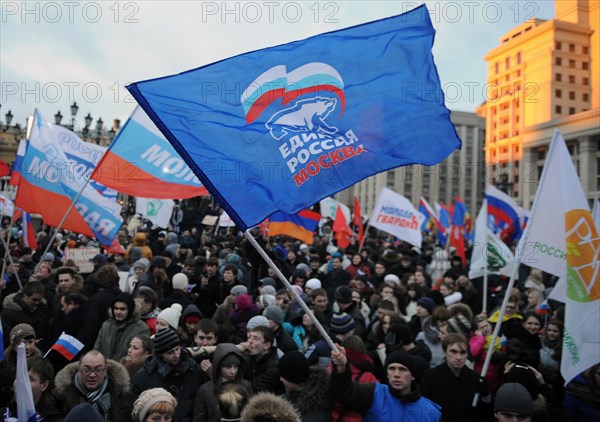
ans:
(54, 53)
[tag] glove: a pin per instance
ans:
(483, 387)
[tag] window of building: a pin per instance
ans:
(541, 153)
(558, 93)
(558, 45)
(571, 48)
(558, 61)
(572, 64)
(504, 150)
(571, 79)
(585, 50)
(558, 109)
(519, 57)
(585, 65)
(571, 110)
(507, 63)
(497, 67)
(558, 77)
(518, 73)
(585, 81)
(585, 97)
(571, 95)
(516, 150)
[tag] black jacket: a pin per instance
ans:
(264, 373)
(314, 400)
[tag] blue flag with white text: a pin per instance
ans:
(281, 128)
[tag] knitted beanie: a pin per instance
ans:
(313, 283)
(343, 295)
(180, 281)
(269, 290)
(513, 397)
(341, 323)
(293, 367)
(239, 290)
(274, 313)
(165, 340)
(243, 301)
(257, 321)
(149, 398)
(427, 303)
(171, 315)
(267, 300)
(403, 358)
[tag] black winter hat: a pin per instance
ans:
(293, 367)
(343, 295)
(165, 340)
(127, 299)
(403, 358)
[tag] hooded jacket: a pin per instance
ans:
(314, 401)
(268, 405)
(118, 387)
(206, 405)
(114, 336)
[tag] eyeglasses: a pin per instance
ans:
(86, 370)
(511, 415)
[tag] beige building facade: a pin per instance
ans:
(545, 74)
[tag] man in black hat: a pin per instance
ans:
(399, 337)
(170, 367)
(513, 402)
(343, 298)
(398, 400)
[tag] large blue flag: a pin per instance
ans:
(283, 127)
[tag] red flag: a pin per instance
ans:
(457, 239)
(358, 222)
(4, 169)
(341, 229)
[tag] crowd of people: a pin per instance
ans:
(189, 324)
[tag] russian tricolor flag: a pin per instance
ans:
(504, 213)
(15, 174)
(300, 226)
(68, 346)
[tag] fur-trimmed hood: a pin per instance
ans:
(314, 395)
(270, 405)
(118, 378)
(14, 302)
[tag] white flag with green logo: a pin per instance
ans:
(561, 230)
(489, 251)
(156, 210)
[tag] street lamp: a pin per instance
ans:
(9, 117)
(98, 131)
(58, 117)
(74, 109)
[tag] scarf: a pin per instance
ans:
(101, 404)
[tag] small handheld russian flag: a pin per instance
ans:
(68, 346)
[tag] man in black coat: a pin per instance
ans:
(261, 362)
(452, 385)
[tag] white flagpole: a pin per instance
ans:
(287, 284)
(11, 262)
(485, 268)
(488, 357)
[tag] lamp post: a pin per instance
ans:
(58, 118)
(8, 116)
(74, 109)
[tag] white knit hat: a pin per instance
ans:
(392, 278)
(149, 398)
(180, 281)
(313, 283)
(171, 315)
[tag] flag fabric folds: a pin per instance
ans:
(329, 206)
(142, 163)
(4, 169)
(311, 117)
(158, 211)
(396, 215)
(15, 174)
(503, 214)
(7, 206)
(561, 238)
(458, 229)
(342, 230)
(29, 239)
(1, 341)
(49, 184)
(300, 226)
(25, 406)
(68, 346)
(489, 251)
(358, 221)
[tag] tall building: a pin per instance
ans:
(462, 173)
(544, 75)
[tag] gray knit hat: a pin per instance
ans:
(274, 313)
(257, 321)
(513, 397)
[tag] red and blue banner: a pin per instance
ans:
(29, 239)
(503, 214)
(300, 226)
(281, 128)
(142, 163)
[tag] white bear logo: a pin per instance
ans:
(305, 116)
